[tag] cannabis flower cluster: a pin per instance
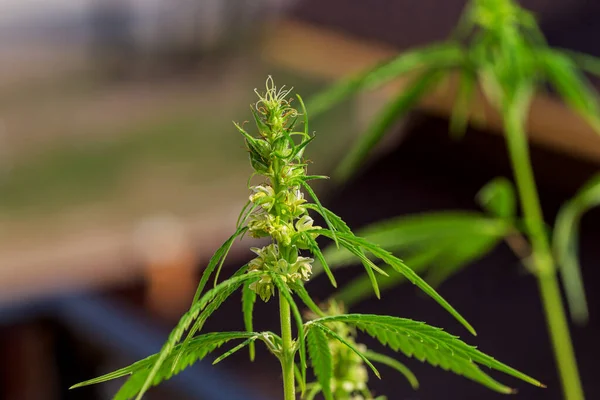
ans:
(278, 204)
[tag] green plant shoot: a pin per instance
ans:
(277, 209)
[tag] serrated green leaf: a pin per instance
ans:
(248, 301)
(395, 364)
(322, 363)
(442, 55)
(199, 347)
(431, 344)
(383, 122)
(206, 304)
(337, 222)
(498, 198)
(216, 260)
(227, 288)
(401, 268)
(565, 244)
(340, 339)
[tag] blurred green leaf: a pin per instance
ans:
(460, 254)
(584, 61)
(565, 244)
(459, 119)
(440, 55)
(404, 232)
(573, 87)
(436, 258)
(498, 197)
(384, 121)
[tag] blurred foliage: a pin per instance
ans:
(498, 47)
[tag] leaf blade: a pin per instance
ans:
(321, 359)
(383, 122)
(431, 344)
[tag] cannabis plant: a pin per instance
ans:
(277, 209)
(499, 47)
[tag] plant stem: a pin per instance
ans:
(287, 356)
(542, 256)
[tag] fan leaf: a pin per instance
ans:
(198, 348)
(401, 268)
(431, 344)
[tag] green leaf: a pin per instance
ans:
(573, 87)
(199, 348)
(368, 264)
(584, 61)
(300, 290)
(431, 344)
(321, 210)
(392, 363)
(320, 356)
(384, 121)
(337, 222)
(459, 119)
(316, 251)
(401, 268)
(211, 301)
(340, 339)
(442, 55)
(458, 254)
(217, 259)
(498, 198)
(360, 288)
(565, 246)
(230, 286)
(235, 349)
(422, 231)
(314, 391)
(248, 301)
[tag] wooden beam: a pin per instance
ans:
(330, 55)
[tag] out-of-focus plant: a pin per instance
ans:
(498, 46)
(278, 210)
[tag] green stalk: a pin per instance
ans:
(544, 263)
(287, 352)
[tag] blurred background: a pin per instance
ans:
(121, 173)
